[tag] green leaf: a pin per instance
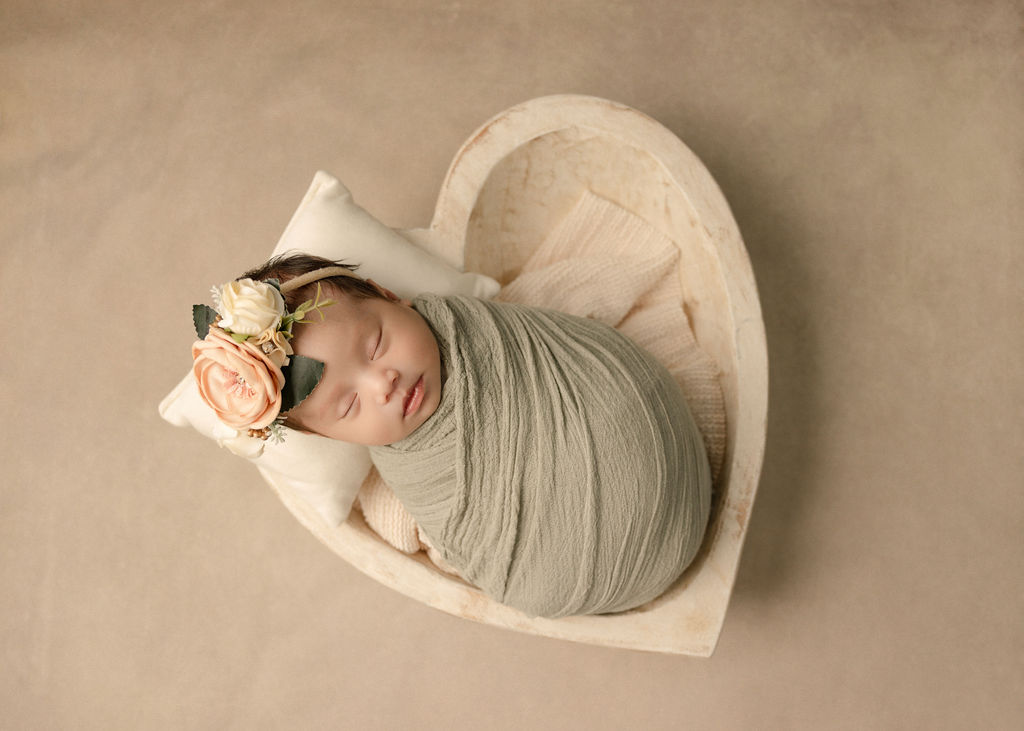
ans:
(301, 376)
(274, 283)
(202, 317)
(239, 337)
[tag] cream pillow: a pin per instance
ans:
(328, 223)
(323, 472)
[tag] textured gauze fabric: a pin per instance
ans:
(562, 472)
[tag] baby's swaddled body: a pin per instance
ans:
(562, 472)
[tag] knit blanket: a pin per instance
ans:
(562, 472)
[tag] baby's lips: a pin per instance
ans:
(413, 398)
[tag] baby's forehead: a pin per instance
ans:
(347, 318)
(333, 341)
(342, 308)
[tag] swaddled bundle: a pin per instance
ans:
(562, 472)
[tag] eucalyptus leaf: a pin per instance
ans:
(301, 376)
(202, 317)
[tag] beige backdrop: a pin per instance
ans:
(872, 153)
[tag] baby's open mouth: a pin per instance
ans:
(413, 399)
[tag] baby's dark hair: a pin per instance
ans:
(288, 266)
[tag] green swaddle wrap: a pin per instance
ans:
(562, 472)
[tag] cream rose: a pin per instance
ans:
(240, 382)
(249, 308)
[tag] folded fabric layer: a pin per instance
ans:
(608, 264)
(562, 472)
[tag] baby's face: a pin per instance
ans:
(382, 371)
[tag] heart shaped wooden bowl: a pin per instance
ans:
(507, 187)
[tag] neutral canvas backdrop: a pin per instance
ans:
(873, 155)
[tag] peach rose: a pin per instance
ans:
(238, 380)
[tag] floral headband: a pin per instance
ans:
(243, 363)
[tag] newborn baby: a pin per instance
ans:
(550, 461)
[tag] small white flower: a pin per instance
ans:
(248, 308)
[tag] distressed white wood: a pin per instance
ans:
(507, 186)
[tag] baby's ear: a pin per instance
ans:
(388, 293)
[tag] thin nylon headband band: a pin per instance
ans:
(316, 275)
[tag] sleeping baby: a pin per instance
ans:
(550, 461)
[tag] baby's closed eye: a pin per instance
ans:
(375, 349)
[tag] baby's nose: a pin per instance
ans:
(386, 385)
